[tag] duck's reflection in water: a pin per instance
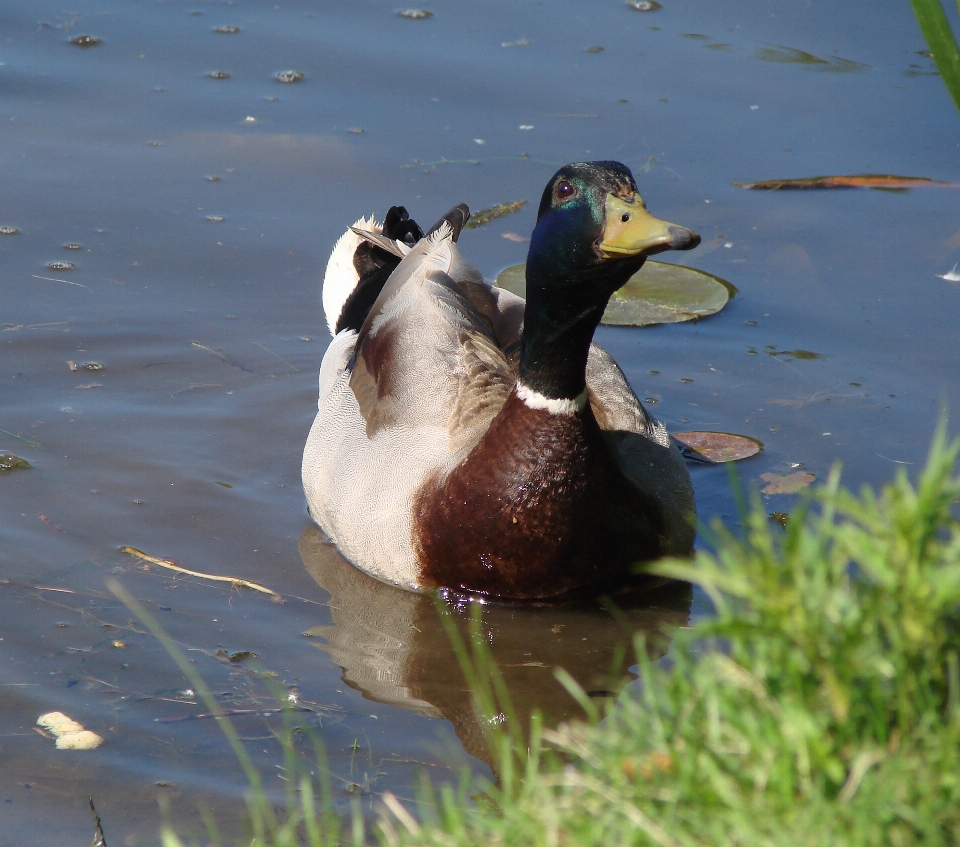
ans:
(392, 645)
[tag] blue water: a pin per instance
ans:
(187, 443)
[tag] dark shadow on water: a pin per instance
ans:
(392, 646)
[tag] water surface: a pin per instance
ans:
(204, 207)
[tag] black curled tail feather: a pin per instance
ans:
(374, 266)
(457, 218)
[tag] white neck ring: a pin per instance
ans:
(553, 405)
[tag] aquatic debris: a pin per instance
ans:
(218, 75)
(227, 30)
(69, 734)
(9, 462)
(61, 266)
(173, 566)
(86, 40)
(72, 245)
(9, 230)
(719, 447)
(951, 275)
(289, 76)
(792, 56)
(644, 5)
(659, 293)
(789, 483)
(415, 14)
(484, 216)
(86, 366)
(215, 219)
(878, 181)
(806, 355)
(64, 281)
(780, 518)
(595, 49)
(100, 840)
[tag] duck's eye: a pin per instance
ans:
(565, 190)
(625, 217)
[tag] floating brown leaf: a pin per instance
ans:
(789, 483)
(881, 181)
(720, 446)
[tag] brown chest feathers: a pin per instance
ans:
(537, 509)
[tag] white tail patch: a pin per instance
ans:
(341, 276)
(553, 405)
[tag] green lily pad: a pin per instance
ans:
(9, 462)
(659, 293)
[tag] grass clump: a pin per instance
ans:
(821, 704)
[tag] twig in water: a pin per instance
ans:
(221, 355)
(278, 356)
(64, 281)
(166, 563)
(99, 840)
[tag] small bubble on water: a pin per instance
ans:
(61, 266)
(72, 246)
(227, 30)
(415, 14)
(644, 5)
(86, 40)
(9, 230)
(306, 338)
(289, 76)
(215, 219)
(218, 75)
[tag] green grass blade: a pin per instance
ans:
(941, 41)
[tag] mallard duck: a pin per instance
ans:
(467, 439)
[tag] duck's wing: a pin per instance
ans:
(643, 449)
(613, 402)
(428, 353)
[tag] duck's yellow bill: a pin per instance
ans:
(630, 230)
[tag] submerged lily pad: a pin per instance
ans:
(719, 446)
(789, 483)
(659, 293)
(9, 462)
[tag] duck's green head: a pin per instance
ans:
(593, 229)
(593, 233)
